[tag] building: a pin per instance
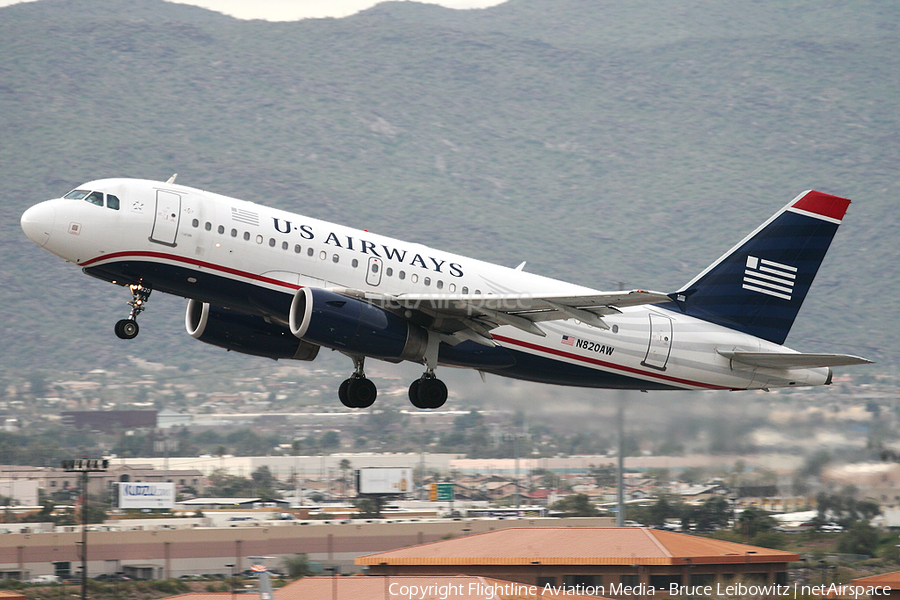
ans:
(53, 480)
(456, 587)
(891, 581)
(617, 562)
(108, 420)
(185, 547)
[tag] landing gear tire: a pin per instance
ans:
(357, 392)
(428, 392)
(127, 329)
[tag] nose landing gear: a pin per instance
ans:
(127, 329)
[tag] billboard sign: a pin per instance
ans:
(384, 480)
(146, 495)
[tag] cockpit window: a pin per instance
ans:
(76, 194)
(95, 198)
(112, 202)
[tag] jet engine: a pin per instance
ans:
(245, 333)
(354, 326)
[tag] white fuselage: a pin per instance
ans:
(209, 245)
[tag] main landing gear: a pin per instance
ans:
(358, 391)
(127, 329)
(428, 391)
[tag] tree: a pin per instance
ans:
(264, 482)
(367, 508)
(861, 538)
(330, 439)
(713, 514)
(576, 505)
(754, 520)
(297, 566)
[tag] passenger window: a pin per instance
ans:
(208, 226)
(323, 255)
(402, 275)
(440, 284)
(95, 198)
(234, 233)
(389, 272)
(246, 236)
(284, 245)
(195, 223)
(310, 251)
(335, 258)
(355, 263)
(221, 229)
(271, 242)
(112, 202)
(259, 239)
(297, 248)
(414, 278)
(465, 290)
(427, 281)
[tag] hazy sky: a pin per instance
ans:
(293, 10)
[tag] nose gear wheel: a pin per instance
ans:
(127, 329)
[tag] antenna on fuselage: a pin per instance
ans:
(172, 178)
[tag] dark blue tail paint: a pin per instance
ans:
(759, 285)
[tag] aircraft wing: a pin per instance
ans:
(474, 316)
(792, 360)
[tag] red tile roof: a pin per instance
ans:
(578, 546)
(891, 580)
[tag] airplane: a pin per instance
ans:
(271, 283)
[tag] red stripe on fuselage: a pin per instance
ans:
(502, 339)
(190, 261)
(833, 207)
(606, 365)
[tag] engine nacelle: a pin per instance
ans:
(354, 326)
(245, 333)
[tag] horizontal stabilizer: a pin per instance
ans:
(793, 360)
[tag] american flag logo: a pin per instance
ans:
(769, 277)
(568, 340)
(244, 216)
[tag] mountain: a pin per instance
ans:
(604, 142)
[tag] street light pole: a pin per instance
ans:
(84, 466)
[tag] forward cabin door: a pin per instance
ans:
(660, 344)
(165, 220)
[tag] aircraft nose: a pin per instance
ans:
(37, 222)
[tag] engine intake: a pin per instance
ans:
(245, 333)
(354, 326)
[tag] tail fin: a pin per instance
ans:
(759, 285)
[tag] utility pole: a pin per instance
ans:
(620, 463)
(84, 466)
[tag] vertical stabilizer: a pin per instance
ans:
(759, 285)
